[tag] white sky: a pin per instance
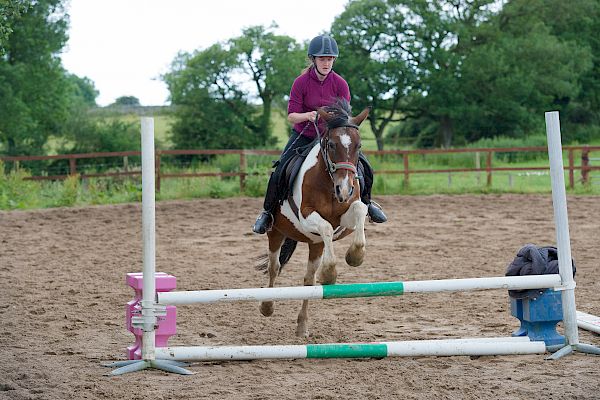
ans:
(125, 45)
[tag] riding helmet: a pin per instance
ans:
(323, 45)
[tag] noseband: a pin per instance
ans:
(323, 141)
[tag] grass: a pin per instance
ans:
(18, 193)
(162, 126)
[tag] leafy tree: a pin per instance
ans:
(272, 62)
(380, 72)
(10, 11)
(84, 90)
(33, 83)
(210, 110)
(576, 26)
(485, 71)
(209, 88)
(441, 37)
(127, 101)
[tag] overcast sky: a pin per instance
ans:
(125, 45)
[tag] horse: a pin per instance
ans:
(324, 206)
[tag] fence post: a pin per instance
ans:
(125, 164)
(478, 167)
(585, 164)
(406, 171)
(488, 168)
(157, 170)
(243, 171)
(571, 170)
(72, 166)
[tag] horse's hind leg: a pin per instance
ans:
(315, 252)
(275, 241)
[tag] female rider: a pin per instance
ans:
(317, 86)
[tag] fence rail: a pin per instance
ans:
(584, 154)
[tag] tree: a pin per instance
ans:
(466, 69)
(272, 62)
(10, 11)
(576, 26)
(440, 40)
(379, 71)
(214, 106)
(127, 101)
(84, 90)
(33, 83)
(210, 110)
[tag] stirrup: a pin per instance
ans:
(376, 213)
(263, 223)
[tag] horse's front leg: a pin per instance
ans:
(315, 251)
(315, 223)
(354, 219)
(275, 241)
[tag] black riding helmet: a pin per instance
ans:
(323, 45)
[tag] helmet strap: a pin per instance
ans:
(315, 65)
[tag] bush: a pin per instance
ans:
(512, 157)
(15, 191)
(68, 192)
(256, 185)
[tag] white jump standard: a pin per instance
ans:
(167, 358)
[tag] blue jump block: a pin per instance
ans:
(539, 314)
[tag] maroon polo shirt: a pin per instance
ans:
(309, 93)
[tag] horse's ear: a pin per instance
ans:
(361, 117)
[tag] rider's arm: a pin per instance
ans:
(296, 118)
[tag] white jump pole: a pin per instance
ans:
(358, 289)
(561, 220)
(411, 348)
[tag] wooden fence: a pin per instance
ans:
(583, 152)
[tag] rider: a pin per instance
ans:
(317, 86)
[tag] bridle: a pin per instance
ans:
(323, 143)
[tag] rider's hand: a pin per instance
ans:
(311, 116)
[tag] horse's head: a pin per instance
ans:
(340, 145)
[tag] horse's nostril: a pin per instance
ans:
(338, 191)
(351, 191)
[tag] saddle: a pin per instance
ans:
(289, 171)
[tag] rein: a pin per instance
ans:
(323, 140)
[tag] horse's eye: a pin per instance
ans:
(331, 146)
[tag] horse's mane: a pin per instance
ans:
(341, 113)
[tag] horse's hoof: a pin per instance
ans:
(355, 259)
(302, 332)
(266, 308)
(328, 278)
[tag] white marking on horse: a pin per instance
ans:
(346, 141)
(286, 210)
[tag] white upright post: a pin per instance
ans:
(561, 220)
(149, 303)
(149, 240)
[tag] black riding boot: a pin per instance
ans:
(264, 222)
(366, 182)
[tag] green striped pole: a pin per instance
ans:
(358, 289)
(411, 348)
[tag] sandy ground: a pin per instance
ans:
(63, 294)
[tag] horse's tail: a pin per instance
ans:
(287, 249)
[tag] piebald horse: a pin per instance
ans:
(324, 206)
